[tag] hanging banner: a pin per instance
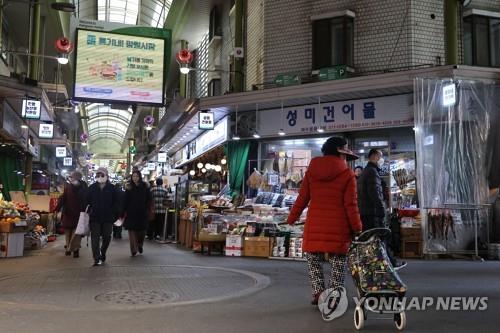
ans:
(60, 151)
(206, 120)
(46, 131)
(31, 109)
(379, 112)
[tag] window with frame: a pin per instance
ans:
(215, 27)
(481, 41)
(333, 42)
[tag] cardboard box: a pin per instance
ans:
(257, 247)
(234, 246)
(14, 227)
(11, 245)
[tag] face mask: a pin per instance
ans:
(75, 182)
(380, 162)
(102, 180)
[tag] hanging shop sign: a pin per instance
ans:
(31, 109)
(162, 157)
(61, 152)
(333, 73)
(449, 95)
(68, 161)
(206, 120)
(288, 79)
(151, 166)
(370, 113)
(46, 131)
(132, 149)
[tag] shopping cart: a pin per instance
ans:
(380, 289)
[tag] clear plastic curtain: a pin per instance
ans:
(452, 155)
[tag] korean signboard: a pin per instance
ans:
(31, 109)
(206, 120)
(390, 111)
(60, 151)
(151, 166)
(68, 161)
(162, 157)
(46, 131)
(111, 66)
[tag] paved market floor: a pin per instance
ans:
(169, 289)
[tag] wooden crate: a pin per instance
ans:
(411, 248)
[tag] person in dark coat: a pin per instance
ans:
(71, 203)
(103, 210)
(372, 194)
(329, 188)
(357, 171)
(136, 211)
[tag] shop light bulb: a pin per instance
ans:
(63, 60)
(200, 165)
(148, 127)
(192, 172)
(218, 168)
(204, 170)
(184, 69)
(76, 109)
(320, 130)
(23, 126)
(84, 144)
(223, 161)
(256, 135)
(281, 132)
(236, 137)
(208, 166)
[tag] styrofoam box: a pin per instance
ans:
(234, 253)
(11, 245)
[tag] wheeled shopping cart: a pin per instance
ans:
(380, 289)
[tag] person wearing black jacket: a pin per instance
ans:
(371, 193)
(136, 211)
(103, 208)
(371, 197)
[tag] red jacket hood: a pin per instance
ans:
(327, 168)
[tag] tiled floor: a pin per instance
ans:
(173, 290)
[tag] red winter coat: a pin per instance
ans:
(329, 187)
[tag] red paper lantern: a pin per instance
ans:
(63, 45)
(184, 57)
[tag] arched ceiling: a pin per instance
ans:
(134, 12)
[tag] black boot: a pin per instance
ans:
(76, 254)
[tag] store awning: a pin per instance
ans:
(346, 89)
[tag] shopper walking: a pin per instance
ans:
(160, 196)
(357, 171)
(136, 209)
(371, 201)
(329, 188)
(103, 209)
(70, 204)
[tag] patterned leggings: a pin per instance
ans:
(337, 275)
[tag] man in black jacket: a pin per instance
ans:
(103, 210)
(371, 197)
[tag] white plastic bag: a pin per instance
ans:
(83, 227)
(118, 223)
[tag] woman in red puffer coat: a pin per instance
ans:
(329, 188)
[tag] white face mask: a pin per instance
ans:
(75, 182)
(102, 180)
(380, 162)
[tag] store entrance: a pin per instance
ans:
(398, 170)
